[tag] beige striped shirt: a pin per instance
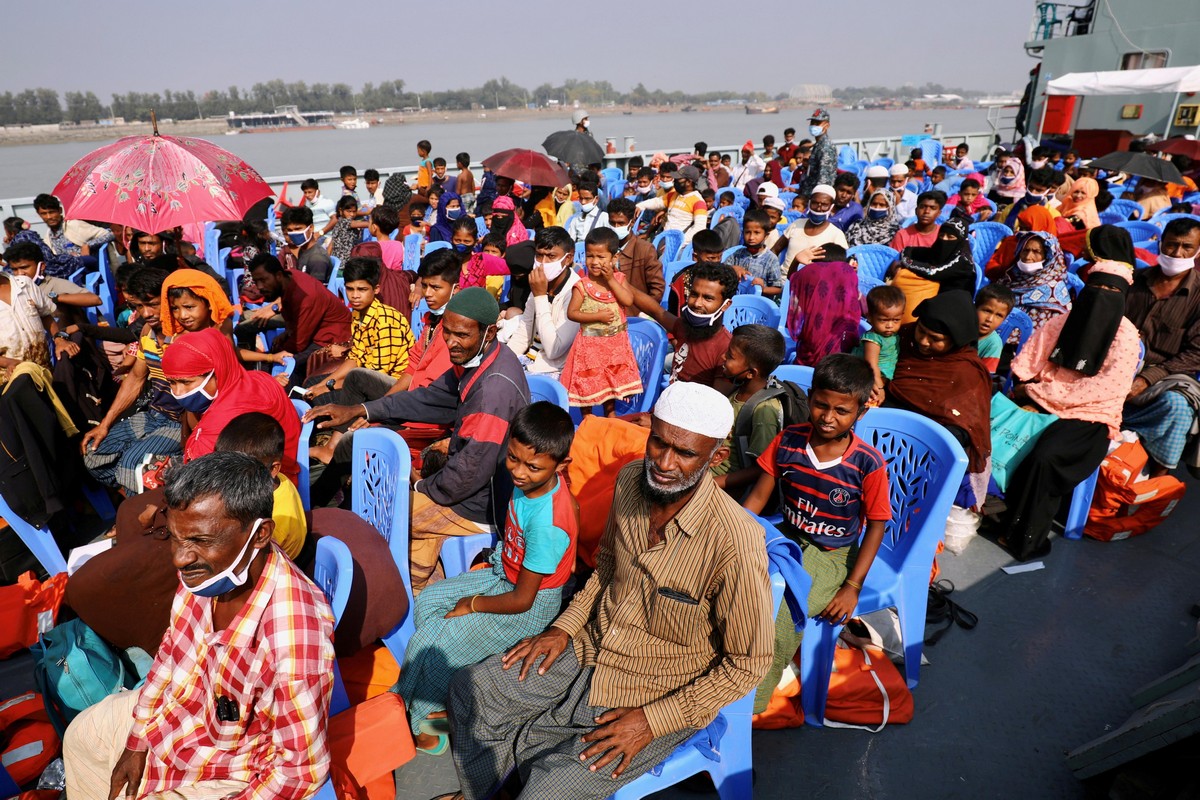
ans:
(680, 629)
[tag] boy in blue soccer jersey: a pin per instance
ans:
(830, 484)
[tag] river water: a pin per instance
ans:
(26, 170)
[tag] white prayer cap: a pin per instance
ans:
(696, 408)
(825, 189)
(876, 171)
(773, 202)
(898, 169)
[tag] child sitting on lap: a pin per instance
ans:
(830, 483)
(880, 346)
(993, 304)
(466, 618)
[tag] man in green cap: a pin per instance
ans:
(476, 398)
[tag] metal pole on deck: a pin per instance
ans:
(1045, 102)
(1171, 117)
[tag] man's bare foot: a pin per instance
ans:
(324, 453)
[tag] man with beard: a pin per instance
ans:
(674, 624)
(699, 332)
(314, 318)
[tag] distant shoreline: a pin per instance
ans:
(217, 126)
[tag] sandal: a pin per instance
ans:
(439, 749)
(438, 726)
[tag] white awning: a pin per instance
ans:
(1171, 80)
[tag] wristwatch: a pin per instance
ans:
(329, 384)
(64, 336)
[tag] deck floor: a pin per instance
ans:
(1051, 666)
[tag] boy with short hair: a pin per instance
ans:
(830, 483)
(321, 210)
(301, 253)
(464, 184)
(25, 258)
(380, 341)
(440, 178)
(993, 304)
(349, 176)
(384, 221)
(424, 167)
(923, 232)
(467, 618)
(374, 192)
(754, 260)
(916, 163)
(970, 201)
(846, 208)
(754, 352)
(261, 437)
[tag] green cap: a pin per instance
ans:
(475, 303)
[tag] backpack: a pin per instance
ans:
(28, 742)
(75, 669)
(795, 410)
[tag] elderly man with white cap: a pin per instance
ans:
(906, 198)
(804, 238)
(675, 623)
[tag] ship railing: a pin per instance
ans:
(868, 147)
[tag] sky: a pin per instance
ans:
(137, 45)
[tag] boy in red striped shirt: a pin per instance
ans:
(830, 483)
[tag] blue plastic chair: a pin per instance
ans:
(481, 228)
(1162, 218)
(580, 253)
(543, 387)
(1111, 217)
(750, 309)
(418, 318)
(333, 573)
(729, 251)
(798, 374)
(734, 211)
(1149, 247)
(1017, 320)
(931, 151)
(925, 468)
(1128, 209)
(874, 260)
(730, 190)
(611, 175)
(671, 270)
(286, 368)
(234, 278)
(847, 156)
(1081, 504)
(884, 162)
(306, 429)
(39, 540)
(733, 774)
(459, 552)
(432, 246)
(1141, 231)
(616, 188)
(650, 348)
(412, 251)
(790, 216)
(671, 242)
(212, 246)
(985, 238)
(685, 253)
(380, 469)
(787, 198)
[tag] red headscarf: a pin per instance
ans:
(238, 392)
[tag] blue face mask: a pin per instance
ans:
(453, 213)
(227, 579)
(298, 238)
(818, 217)
(876, 213)
(815, 131)
(702, 320)
(1035, 199)
(197, 400)
(462, 248)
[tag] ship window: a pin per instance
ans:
(1144, 60)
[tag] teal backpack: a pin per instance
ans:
(76, 669)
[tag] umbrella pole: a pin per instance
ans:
(154, 121)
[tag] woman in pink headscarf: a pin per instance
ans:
(504, 220)
(1010, 182)
(1079, 207)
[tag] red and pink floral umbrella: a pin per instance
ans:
(155, 183)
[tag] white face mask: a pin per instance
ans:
(552, 268)
(587, 123)
(1041, 162)
(647, 189)
(587, 208)
(478, 359)
(227, 579)
(621, 231)
(1029, 267)
(1171, 266)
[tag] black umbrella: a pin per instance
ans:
(573, 147)
(1143, 164)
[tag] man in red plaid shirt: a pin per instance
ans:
(236, 702)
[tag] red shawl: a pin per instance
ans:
(238, 392)
(953, 389)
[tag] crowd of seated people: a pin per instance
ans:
(440, 310)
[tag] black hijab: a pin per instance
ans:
(947, 262)
(950, 313)
(1093, 322)
(1109, 243)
